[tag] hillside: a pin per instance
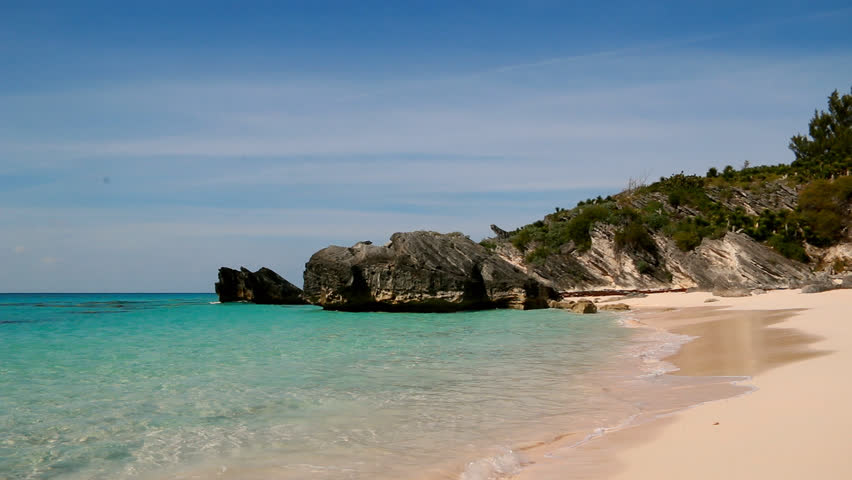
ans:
(762, 226)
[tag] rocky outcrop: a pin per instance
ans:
(733, 262)
(262, 286)
(584, 306)
(419, 271)
(819, 287)
(576, 306)
(776, 195)
(737, 261)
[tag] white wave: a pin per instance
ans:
(493, 468)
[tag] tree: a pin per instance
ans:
(712, 173)
(827, 150)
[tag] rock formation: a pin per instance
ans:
(733, 262)
(262, 286)
(419, 271)
(614, 307)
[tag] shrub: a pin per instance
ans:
(656, 221)
(635, 236)
(644, 267)
(578, 228)
(687, 239)
(823, 207)
(489, 245)
(789, 247)
(539, 255)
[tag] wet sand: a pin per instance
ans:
(768, 381)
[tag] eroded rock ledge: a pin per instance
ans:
(419, 271)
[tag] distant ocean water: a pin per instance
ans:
(153, 386)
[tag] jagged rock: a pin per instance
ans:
(562, 304)
(733, 261)
(774, 195)
(818, 287)
(501, 234)
(711, 300)
(419, 271)
(262, 286)
(614, 307)
(584, 306)
(736, 261)
(847, 282)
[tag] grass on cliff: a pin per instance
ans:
(689, 208)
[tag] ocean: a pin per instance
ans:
(167, 386)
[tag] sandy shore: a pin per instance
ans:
(797, 349)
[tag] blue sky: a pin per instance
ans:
(142, 146)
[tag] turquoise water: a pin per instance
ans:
(174, 386)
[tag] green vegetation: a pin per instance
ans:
(490, 245)
(689, 208)
(823, 206)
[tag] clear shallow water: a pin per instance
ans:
(172, 386)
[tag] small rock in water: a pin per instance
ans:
(584, 306)
(614, 307)
(563, 304)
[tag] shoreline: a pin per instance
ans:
(773, 348)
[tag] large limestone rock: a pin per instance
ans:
(419, 271)
(262, 286)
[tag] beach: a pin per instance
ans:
(791, 420)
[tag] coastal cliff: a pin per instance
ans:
(734, 230)
(420, 271)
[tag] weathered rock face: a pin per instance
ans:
(419, 271)
(734, 261)
(819, 287)
(737, 261)
(776, 195)
(262, 286)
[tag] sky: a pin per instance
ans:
(145, 144)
